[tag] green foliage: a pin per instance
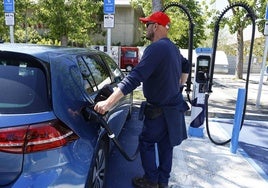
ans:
(49, 42)
(75, 20)
(259, 8)
(138, 95)
(179, 31)
(3, 28)
(238, 18)
(23, 22)
(72, 19)
(28, 34)
(237, 21)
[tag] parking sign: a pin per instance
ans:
(9, 18)
(109, 7)
(108, 21)
(9, 6)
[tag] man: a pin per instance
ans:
(160, 71)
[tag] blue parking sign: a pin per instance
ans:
(9, 6)
(109, 7)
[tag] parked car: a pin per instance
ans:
(129, 58)
(46, 137)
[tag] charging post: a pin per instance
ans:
(200, 87)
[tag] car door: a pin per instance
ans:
(96, 74)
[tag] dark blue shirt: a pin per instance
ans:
(159, 70)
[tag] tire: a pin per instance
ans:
(129, 68)
(99, 167)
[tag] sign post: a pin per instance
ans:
(264, 58)
(109, 10)
(9, 9)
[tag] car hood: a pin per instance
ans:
(11, 165)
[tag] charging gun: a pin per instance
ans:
(91, 114)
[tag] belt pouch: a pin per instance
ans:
(152, 112)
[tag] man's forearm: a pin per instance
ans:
(114, 98)
(184, 78)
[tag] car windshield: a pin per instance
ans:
(130, 54)
(23, 88)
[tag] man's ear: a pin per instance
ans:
(155, 26)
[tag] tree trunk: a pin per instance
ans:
(157, 5)
(240, 54)
(64, 40)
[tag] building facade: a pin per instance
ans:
(126, 26)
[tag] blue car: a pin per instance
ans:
(47, 138)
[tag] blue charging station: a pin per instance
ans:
(200, 86)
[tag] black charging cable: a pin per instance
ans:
(111, 135)
(91, 114)
(252, 16)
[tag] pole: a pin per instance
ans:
(264, 57)
(238, 118)
(262, 72)
(11, 31)
(109, 31)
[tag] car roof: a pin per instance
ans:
(41, 51)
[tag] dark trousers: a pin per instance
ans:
(156, 131)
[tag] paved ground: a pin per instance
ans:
(222, 100)
(197, 162)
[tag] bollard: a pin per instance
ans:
(237, 119)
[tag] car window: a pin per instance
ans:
(23, 87)
(94, 72)
(117, 73)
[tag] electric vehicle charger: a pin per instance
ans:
(252, 16)
(91, 114)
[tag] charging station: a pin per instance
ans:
(200, 86)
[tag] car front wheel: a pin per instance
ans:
(98, 173)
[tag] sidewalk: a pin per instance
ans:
(198, 163)
(208, 165)
(202, 164)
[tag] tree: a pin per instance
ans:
(69, 20)
(3, 28)
(25, 27)
(22, 21)
(238, 22)
(179, 31)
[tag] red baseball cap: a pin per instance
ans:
(157, 17)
